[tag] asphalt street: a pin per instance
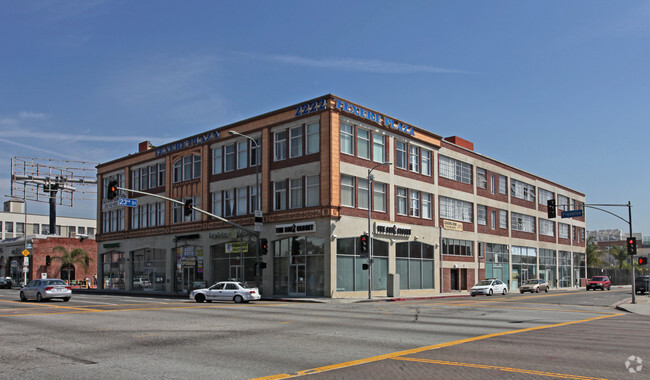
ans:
(555, 334)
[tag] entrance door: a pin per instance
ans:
(188, 279)
(297, 280)
(524, 277)
(454, 279)
(236, 273)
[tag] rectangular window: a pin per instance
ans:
(481, 178)
(242, 154)
(160, 213)
(400, 154)
(242, 197)
(402, 201)
(280, 146)
(217, 160)
(378, 148)
(217, 206)
(414, 204)
(347, 139)
(161, 174)
(426, 206)
(544, 196)
(144, 178)
(313, 191)
(503, 219)
(414, 159)
(135, 218)
(522, 190)
(546, 227)
(481, 214)
(455, 170)
(362, 195)
(151, 209)
(253, 198)
(524, 223)
(197, 167)
(457, 247)
(295, 142)
(379, 196)
(135, 179)
(295, 193)
(153, 176)
(503, 184)
(256, 150)
(187, 168)
(280, 195)
(564, 231)
(363, 143)
(20, 229)
(229, 202)
(562, 203)
(493, 220)
(456, 209)
(347, 191)
(492, 184)
(426, 162)
(313, 138)
(229, 157)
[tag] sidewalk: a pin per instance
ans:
(642, 305)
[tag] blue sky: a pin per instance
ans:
(557, 88)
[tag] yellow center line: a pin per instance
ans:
(426, 348)
(505, 369)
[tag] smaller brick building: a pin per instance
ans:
(40, 258)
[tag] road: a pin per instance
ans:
(557, 334)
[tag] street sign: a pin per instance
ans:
(25, 252)
(127, 202)
(259, 226)
(572, 213)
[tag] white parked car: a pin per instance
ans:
(226, 291)
(45, 289)
(489, 287)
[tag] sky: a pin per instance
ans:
(560, 89)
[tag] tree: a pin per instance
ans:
(70, 258)
(595, 255)
(620, 254)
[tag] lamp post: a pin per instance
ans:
(370, 178)
(257, 201)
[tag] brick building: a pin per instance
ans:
(442, 215)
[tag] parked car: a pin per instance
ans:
(534, 286)
(599, 282)
(5, 283)
(642, 284)
(226, 291)
(46, 289)
(489, 287)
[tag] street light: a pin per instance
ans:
(370, 178)
(257, 203)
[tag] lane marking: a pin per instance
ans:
(505, 369)
(426, 348)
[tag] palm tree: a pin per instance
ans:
(594, 254)
(622, 257)
(69, 258)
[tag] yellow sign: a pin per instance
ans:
(25, 253)
(450, 225)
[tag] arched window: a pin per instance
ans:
(187, 168)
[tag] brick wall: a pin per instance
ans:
(41, 248)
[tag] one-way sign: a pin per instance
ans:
(572, 214)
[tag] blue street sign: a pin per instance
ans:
(127, 202)
(572, 213)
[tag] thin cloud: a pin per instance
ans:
(34, 148)
(357, 64)
(20, 133)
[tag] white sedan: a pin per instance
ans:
(489, 287)
(226, 291)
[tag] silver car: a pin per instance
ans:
(226, 291)
(46, 289)
(534, 286)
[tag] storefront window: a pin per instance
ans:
(149, 269)
(579, 269)
(299, 266)
(548, 266)
(564, 269)
(114, 270)
(350, 275)
(497, 262)
(524, 266)
(189, 268)
(414, 263)
(235, 261)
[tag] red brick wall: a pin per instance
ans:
(41, 248)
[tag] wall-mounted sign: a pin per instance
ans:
(451, 225)
(376, 117)
(307, 108)
(282, 229)
(392, 230)
(111, 245)
(237, 247)
(196, 140)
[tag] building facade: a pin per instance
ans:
(441, 215)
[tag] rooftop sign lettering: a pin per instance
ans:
(376, 117)
(196, 140)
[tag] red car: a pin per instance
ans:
(599, 282)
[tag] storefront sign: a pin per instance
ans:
(111, 245)
(451, 225)
(196, 140)
(227, 234)
(283, 229)
(392, 230)
(376, 117)
(237, 247)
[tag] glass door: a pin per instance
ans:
(297, 280)
(236, 273)
(188, 278)
(524, 277)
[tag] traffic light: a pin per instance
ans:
(111, 192)
(48, 260)
(187, 208)
(364, 243)
(643, 260)
(265, 246)
(552, 210)
(631, 246)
